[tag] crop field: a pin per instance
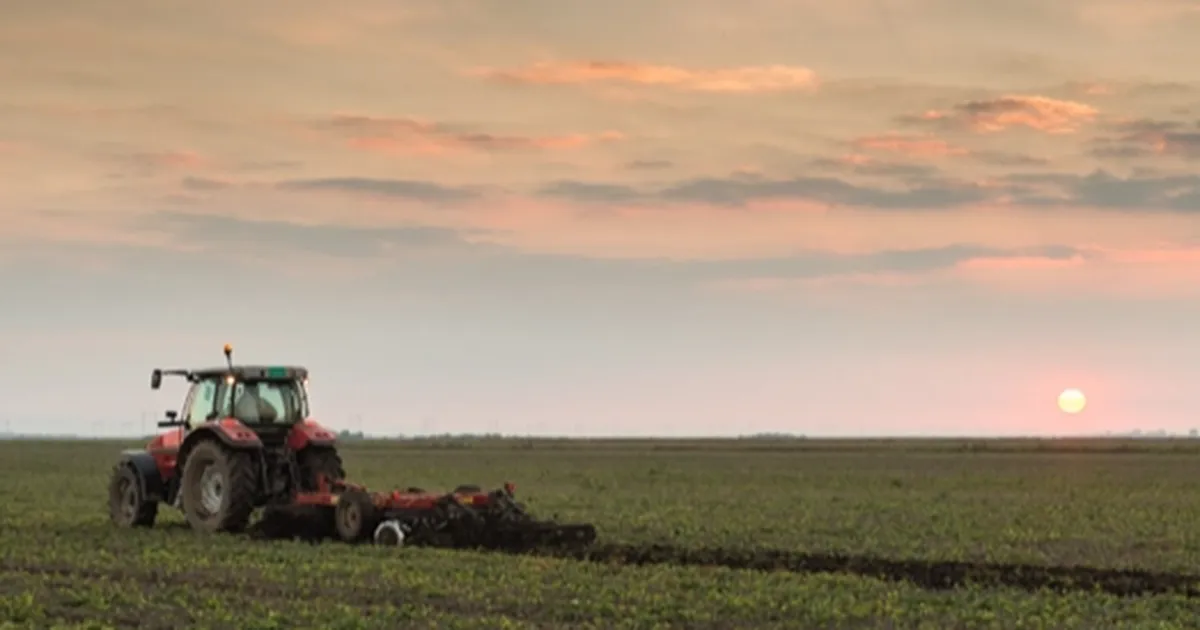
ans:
(696, 534)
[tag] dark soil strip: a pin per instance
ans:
(929, 574)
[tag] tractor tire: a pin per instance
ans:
(127, 504)
(355, 517)
(319, 460)
(219, 487)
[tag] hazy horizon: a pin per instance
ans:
(872, 217)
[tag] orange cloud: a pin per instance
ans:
(179, 160)
(1164, 255)
(745, 79)
(1154, 272)
(1096, 257)
(1169, 270)
(403, 135)
(1153, 137)
(1039, 113)
(1020, 262)
(889, 279)
(911, 146)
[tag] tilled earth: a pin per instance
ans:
(928, 574)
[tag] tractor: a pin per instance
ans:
(245, 441)
(242, 441)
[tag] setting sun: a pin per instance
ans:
(1072, 401)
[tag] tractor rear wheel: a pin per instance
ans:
(355, 516)
(315, 461)
(127, 504)
(219, 487)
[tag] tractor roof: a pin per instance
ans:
(239, 372)
(255, 372)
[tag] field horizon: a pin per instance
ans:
(1148, 442)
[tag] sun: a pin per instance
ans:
(1072, 401)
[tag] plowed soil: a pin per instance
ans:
(930, 574)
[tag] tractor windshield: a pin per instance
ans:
(267, 402)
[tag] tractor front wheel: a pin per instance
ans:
(219, 487)
(127, 504)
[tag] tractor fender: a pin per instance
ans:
(229, 432)
(146, 468)
(309, 433)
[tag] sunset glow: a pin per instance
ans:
(623, 218)
(1072, 401)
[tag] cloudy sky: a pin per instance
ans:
(621, 217)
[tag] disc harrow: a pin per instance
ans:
(467, 518)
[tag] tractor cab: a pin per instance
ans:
(262, 398)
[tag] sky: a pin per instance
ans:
(636, 217)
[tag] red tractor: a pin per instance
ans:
(245, 441)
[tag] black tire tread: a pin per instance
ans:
(370, 517)
(147, 510)
(243, 489)
(241, 486)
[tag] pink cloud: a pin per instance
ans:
(174, 160)
(1159, 138)
(745, 79)
(764, 228)
(910, 146)
(1020, 263)
(1132, 272)
(1164, 255)
(405, 135)
(783, 284)
(1167, 270)
(1039, 113)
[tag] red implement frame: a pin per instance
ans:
(327, 496)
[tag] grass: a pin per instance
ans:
(1100, 503)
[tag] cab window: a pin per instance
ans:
(200, 402)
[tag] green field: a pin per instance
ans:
(1103, 504)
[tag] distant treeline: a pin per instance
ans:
(762, 442)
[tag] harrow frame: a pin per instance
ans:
(468, 517)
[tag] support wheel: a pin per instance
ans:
(355, 516)
(219, 488)
(127, 504)
(319, 460)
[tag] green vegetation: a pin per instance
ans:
(1101, 503)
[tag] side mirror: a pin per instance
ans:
(156, 379)
(171, 421)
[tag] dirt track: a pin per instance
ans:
(938, 575)
(929, 574)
